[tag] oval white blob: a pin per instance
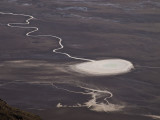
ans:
(103, 67)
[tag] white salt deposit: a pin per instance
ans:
(103, 67)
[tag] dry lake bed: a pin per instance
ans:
(35, 68)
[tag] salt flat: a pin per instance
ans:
(35, 75)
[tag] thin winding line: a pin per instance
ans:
(92, 93)
(35, 29)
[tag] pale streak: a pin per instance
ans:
(149, 67)
(156, 117)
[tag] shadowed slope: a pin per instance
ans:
(10, 113)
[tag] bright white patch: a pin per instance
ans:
(59, 105)
(106, 108)
(26, 4)
(103, 67)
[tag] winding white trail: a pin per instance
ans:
(35, 29)
(100, 106)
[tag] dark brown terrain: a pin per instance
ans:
(9, 113)
(93, 29)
